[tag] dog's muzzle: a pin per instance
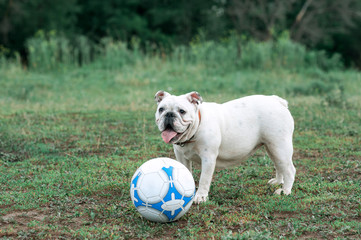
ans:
(169, 120)
(169, 133)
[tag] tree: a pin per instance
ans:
(331, 25)
(323, 24)
(21, 19)
(260, 18)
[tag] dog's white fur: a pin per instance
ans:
(226, 134)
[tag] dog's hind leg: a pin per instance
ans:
(281, 155)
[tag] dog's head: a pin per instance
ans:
(176, 116)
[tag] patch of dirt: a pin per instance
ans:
(311, 235)
(284, 215)
(13, 223)
(340, 171)
(12, 157)
(19, 216)
(56, 213)
(310, 154)
(16, 223)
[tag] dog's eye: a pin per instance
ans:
(181, 111)
(161, 110)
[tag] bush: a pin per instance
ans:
(8, 62)
(49, 51)
(238, 52)
(336, 98)
(316, 87)
(115, 54)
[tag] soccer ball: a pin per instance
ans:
(162, 190)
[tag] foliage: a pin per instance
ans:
(20, 20)
(53, 51)
(48, 53)
(115, 54)
(327, 25)
(9, 62)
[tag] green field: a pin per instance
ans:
(71, 139)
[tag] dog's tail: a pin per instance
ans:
(281, 100)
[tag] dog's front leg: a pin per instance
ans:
(208, 166)
(182, 159)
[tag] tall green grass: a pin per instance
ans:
(7, 62)
(238, 52)
(51, 51)
(112, 54)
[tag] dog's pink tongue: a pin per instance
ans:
(168, 134)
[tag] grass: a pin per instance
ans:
(71, 140)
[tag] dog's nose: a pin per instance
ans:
(170, 115)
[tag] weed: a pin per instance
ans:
(336, 98)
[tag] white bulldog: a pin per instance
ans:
(223, 135)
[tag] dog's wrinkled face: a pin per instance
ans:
(175, 115)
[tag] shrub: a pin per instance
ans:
(336, 98)
(7, 62)
(115, 54)
(241, 53)
(315, 87)
(48, 51)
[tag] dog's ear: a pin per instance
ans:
(195, 98)
(160, 95)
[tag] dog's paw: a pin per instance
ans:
(199, 198)
(282, 191)
(275, 181)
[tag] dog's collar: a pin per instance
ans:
(182, 144)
